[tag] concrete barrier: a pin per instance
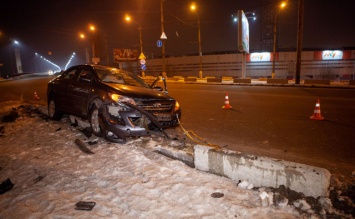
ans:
(227, 80)
(218, 80)
(242, 80)
(322, 82)
(263, 171)
(190, 79)
(277, 81)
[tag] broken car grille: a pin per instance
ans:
(156, 107)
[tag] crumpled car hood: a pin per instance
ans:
(141, 92)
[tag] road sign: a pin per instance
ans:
(143, 67)
(159, 43)
(163, 36)
(142, 56)
(142, 61)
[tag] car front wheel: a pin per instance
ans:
(53, 111)
(95, 122)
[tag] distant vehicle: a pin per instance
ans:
(117, 103)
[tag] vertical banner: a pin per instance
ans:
(243, 32)
(243, 39)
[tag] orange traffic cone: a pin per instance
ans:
(226, 102)
(35, 96)
(317, 115)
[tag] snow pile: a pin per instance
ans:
(51, 175)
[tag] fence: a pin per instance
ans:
(230, 65)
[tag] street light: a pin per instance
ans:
(17, 54)
(282, 5)
(129, 19)
(194, 8)
(249, 15)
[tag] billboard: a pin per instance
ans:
(123, 55)
(243, 32)
(260, 57)
(332, 55)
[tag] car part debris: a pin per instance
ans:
(83, 147)
(13, 115)
(6, 186)
(87, 132)
(86, 206)
(217, 195)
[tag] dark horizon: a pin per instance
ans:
(52, 28)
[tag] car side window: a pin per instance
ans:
(84, 75)
(70, 74)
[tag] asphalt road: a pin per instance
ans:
(274, 121)
(265, 120)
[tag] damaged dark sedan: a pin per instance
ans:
(117, 103)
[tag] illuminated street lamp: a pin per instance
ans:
(194, 8)
(17, 54)
(282, 5)
(82, 36)
(249, 15)
(129, 19)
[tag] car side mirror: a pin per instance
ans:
(158, 88)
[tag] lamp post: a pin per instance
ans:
(129, 19)
(193, 8)
(92, 29)
(17, 55)
(87, 53)
(282, 5)
(163, 40)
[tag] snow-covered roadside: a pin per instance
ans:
(51, 174)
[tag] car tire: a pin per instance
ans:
(95, 125)
(53, 111)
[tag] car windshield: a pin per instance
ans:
(118, 76)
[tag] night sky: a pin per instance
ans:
(53, 26)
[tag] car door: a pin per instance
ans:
(79, 90)
(61, 89)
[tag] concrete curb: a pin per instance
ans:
(260, 171)
(263, 171)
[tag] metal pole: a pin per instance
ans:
(299, 40)
(274, 48)
(162, 31)
(107, 59)
(141, 44)
(93, 50)
(199, 46)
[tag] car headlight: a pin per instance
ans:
(119, 98)
(177, 106)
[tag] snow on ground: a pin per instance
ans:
(51, 174)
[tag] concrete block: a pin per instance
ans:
(227, 80)
(322, 82)
(201, 80)
(277, 81)
(174, 153)
(263, 171)
(242, 80)
(190, 79)
(217, 80)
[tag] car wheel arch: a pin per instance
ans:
(96, 102)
